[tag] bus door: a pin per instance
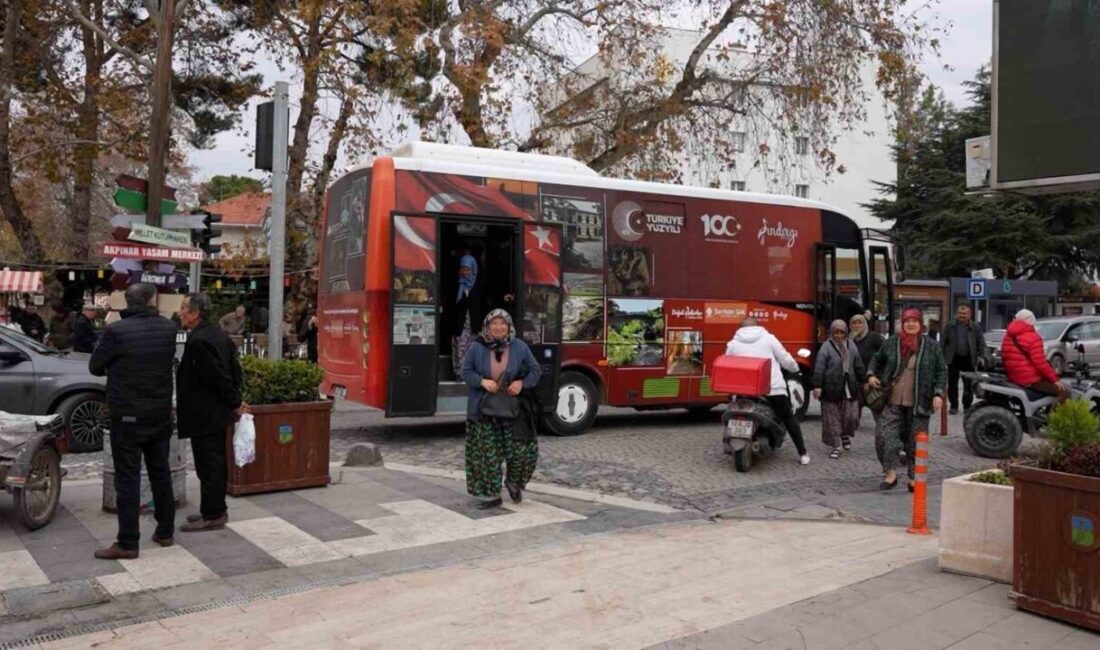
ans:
(841, 285)
(881, 285)
(825, 290)
(540, 303)
(414, 316)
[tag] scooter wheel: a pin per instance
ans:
(993, 432)
(742, 459)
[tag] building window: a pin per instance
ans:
(802, 145)
(802, 191)
(737, 139)
(737, 186)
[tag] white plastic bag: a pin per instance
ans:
(244, 440)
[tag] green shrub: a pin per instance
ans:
(280, 382)
(1071, 425)
(993, 477)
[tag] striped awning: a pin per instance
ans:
(20, 281)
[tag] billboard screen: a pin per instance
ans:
(1047, 91)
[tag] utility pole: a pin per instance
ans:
(278, 220)
(162, 110)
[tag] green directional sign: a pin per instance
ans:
(137, 201)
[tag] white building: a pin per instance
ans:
(791, 168)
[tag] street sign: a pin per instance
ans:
(183, 221)
(126, 220)
(149, 252)
(149, 234)
(141, 185)
(171, 280)
(137, 201)
(975, 289)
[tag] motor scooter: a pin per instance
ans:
(996, 424)
(751, 430)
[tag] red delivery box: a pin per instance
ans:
(746, 376)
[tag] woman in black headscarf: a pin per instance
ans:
(497, 364)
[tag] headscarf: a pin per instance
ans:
(497, 345)
(840, 325)
(1026, 315)
(466, 284)
(859, 336)
(910, 342)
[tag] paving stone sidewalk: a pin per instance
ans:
(369, 523)
(916, 607)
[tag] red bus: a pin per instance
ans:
(625, 290)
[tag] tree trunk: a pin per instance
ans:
(24, 230)
(335, 137)
(299, 148)
(88, 132)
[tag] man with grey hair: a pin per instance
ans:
(136, 355)
(208, 385)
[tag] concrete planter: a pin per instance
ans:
(976, 529)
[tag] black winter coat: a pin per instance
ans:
(835, 384)
(84, 337)
(869, 346)
(136, 355)
(208, 383)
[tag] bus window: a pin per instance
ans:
(850, 288)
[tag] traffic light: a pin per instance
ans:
(204, 238)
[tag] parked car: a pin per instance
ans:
(35, 380)
(1060, 335)
(993, 340)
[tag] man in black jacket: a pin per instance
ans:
(136, 355)
(963, 347)
(84, 338)
(208, 401)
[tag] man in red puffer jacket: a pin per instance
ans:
(1025, 360)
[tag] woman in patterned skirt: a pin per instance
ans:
(912, 369)
(838, 380)
(497, 361)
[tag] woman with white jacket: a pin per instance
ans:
(752, 340)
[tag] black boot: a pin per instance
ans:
(489, 505)
(514, 491)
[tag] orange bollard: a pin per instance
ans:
(920, 488)
(943, 420)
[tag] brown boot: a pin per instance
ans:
(205, 525)
(191, 519)
(166, 542)
(116, 552)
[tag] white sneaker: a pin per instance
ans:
(804, 459)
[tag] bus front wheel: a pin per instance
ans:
(577, 404)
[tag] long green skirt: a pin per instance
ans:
(488, 444)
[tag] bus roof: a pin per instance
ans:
(558, 170)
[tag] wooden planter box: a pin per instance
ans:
(292, 449)
(976, 529)
(1057, 545)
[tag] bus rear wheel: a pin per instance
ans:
(577, 404)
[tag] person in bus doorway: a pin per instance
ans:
(838, 376)
(912, 370)
(752, 340)
(497, 363)
(868, 342)
(467, 311)
(1025, 359)
(963, 346)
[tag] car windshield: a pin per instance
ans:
(996, 336)
(1051, 329)
(26, 341)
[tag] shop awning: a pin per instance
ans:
(20, 281)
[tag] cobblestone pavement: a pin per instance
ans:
(671, 458)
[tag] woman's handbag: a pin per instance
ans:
(876, 398)
(500, 405)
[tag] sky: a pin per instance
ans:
(966, 46)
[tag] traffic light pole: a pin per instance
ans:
(278, 221)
